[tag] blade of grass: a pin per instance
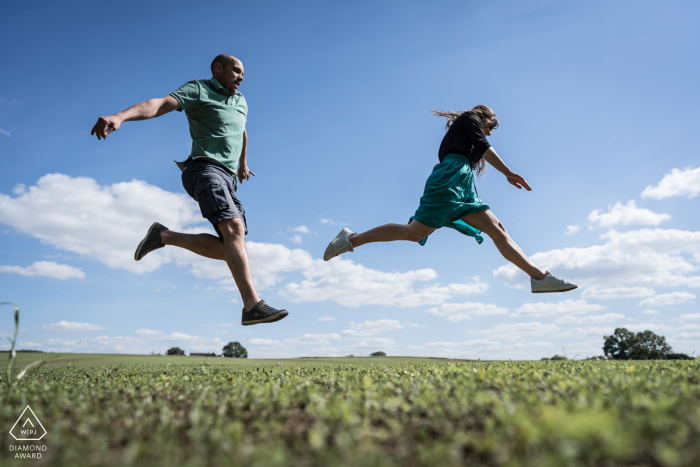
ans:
(13, 352)
(38, 364)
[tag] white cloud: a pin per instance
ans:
(637, 258)
(509, 330)
(46, 269)
(268, 262)
(500, 348)
(371, 328)
(607, 292)
(690, 331)
(667, 299)
(592, 319)
(684, 182)
(455, 312)
(289, 343)
(328, 221)
(364, 346)
(180, 338)
(353, 285)
(24, 345)
(657, 328)
(4, 132)
(568, 307)
(302, 229)
(100, 222)
(650, 312)
(690, 317)
(96, 344)
(68, 326)
(295, 239)
(626, 214)
(326, 318)
(572, 229)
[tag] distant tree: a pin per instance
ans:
(235, 350)
(175, 351)
(351, 355)
(678, 356)
(556, 357)
(378, 354)
(626, 345)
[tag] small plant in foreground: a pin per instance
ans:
(13, 353)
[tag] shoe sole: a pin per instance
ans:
(138, 248)
(269, 319)
(556, 290)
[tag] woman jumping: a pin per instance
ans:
(450, 199)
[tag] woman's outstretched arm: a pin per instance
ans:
(513, 178)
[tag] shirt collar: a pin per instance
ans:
(215, 82)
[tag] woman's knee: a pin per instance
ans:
(415, 236)
(496, 231)
(417, 232)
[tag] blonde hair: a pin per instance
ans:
(485, 114)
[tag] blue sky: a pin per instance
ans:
(598, 103)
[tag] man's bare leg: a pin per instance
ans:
(414, 232)
(232, 250)
(205, 245)
(236, 256)
(488, 223)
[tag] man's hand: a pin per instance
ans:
(244, 172)
(105, 125)
(518, 181)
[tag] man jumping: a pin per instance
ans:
(217, 115)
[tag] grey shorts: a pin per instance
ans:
(214, 188)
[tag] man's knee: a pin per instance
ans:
(232, 228)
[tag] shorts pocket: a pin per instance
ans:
(212, 199)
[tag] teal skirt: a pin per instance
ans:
(449, 195)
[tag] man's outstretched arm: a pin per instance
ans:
(142, 111)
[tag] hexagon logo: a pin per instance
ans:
(28, 427)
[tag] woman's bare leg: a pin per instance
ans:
(414, 232)
(488, 223)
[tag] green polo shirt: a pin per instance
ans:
(217, 121)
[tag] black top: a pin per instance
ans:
(465, 137)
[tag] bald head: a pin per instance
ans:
(228, 70)
(223, 60)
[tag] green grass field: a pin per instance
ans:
(87, 359)
(115, 410)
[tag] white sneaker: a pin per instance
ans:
(340, 244)
(551, 283)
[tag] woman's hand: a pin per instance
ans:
(518, 181)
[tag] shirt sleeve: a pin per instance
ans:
(472, 128)
(187, 95)
(244, 104)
